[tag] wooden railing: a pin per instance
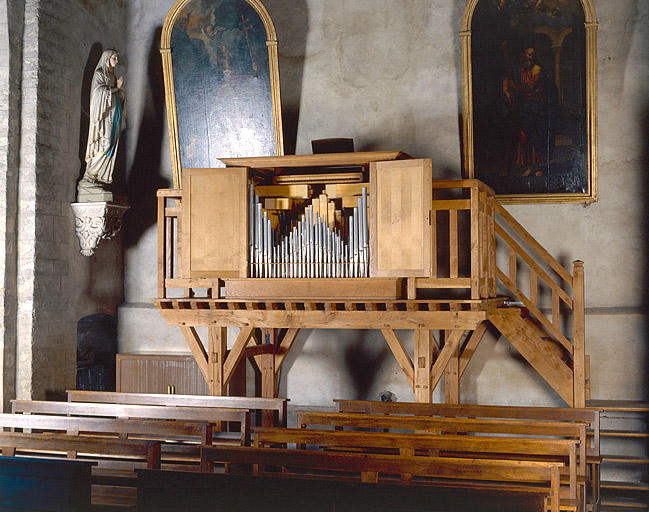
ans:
(460, 261)
(566, 289)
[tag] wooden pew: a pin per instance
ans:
(73, 446)
(521, 428)
(580, 415)
(439, 471)
(573, 430)
(215, 415)
(275, 406)
(199, 492)
(113, 477)
(477, 447)
(590, 416)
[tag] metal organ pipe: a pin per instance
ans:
(313, 246)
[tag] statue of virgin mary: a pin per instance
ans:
(106, 123)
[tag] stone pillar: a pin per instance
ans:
(11, 31)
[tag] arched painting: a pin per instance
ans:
(221, 82)
(529, 72)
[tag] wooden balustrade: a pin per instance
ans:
(451, 248)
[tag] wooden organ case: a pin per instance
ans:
(268, 245)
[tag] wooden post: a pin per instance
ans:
(475, 242)
(162, 253)
(579, 342)
(452, 378)
(218, 344)
(422, 365)
(266, 363)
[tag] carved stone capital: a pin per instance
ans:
(95, 222)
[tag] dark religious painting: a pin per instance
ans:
(222, 81)
(529, 95)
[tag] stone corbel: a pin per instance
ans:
(95, 222)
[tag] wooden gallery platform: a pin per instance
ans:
(360, 241)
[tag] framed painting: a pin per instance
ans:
(529, 73)
(221, 79)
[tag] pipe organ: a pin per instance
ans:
(344, 226)
(323, 240)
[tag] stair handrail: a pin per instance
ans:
(536, 273)
(576, 348)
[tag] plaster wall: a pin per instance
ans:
(388, 74)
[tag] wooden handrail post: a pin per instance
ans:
(475, 241)
(579, 335)
(162, 255)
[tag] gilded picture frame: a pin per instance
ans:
(221, 79)
(529, 99)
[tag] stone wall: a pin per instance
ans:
(390, 77)
(11, 30)
(46, 281)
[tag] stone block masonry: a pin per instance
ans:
(43, 50)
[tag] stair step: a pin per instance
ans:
(627, 486)
(623, 433)
(625, 459)
(619, 506)
(619, 405)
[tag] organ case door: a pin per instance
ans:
(215, 222)
(400, 218)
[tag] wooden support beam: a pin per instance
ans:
(285, 347)
(423, 362)
(217, 351)
(452, 376)
(314, 319)
(198, 351)
(469, 349)
(266, 363)
(236, 353)
(451, 345)
(400, 354)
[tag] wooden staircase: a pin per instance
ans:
(625, 454)
(544, 355)
(537, 329)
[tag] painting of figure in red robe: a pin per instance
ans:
(529, 96)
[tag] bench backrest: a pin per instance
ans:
(370, 466)
(74, 424)
(590, 416)
(515, 448)
(72, 446)
(277, 405)
(210, 414)
(573, 430)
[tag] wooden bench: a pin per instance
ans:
(199, 492)
(477, 447)
(580, 415)
(115, 459)
(161, 430)
(439, 471)
(73, 446)
(482, 426)
(214, 415)
(276, 407)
